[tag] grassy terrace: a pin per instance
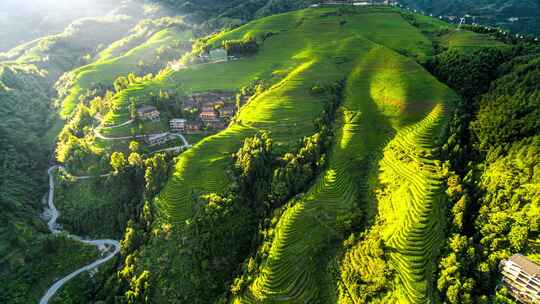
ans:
(469, 41)
(319, 50)
(106, 70)
(413, 208)
(372, 113)
(287, 109)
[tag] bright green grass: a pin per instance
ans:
(386, 94)
(293, 32)
(411, 204)
(313, 54)
(387, 28)
(432, 25)
(106, 71)
(373, 109)
(469, 41)
(287, 110)
(412, 208)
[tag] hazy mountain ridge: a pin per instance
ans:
(496, 12)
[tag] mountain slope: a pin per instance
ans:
(372, 113)
(323, 46)
(30, 257)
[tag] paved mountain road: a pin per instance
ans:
(109, 248)
(104, 246)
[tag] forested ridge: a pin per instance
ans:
(372, 155)
(493, 148)
(28, 128)
(495, 12)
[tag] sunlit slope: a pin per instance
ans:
(105, 71)
(295, 36)
(386, 27)
(467, 41)
(410, 197)
(287, 109)
(413, 209)
(384, 93)
(306, 48)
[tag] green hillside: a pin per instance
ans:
(468, 41)
(388, 95)
(333, 154)
(286, 109)
(372, 114)
(143, 46)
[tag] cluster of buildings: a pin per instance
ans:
(522, 278)
(214, 113)
(215, 110)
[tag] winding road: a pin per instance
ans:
(104, 246)
(98, 134)
(108, 247)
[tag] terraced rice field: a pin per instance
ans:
(389, 99)
(385, 94)
(469, 41)
(287, 109)
(413, 208)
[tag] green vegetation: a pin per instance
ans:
(50, 257)
(492, 149)
(324, 46)
(349, 173)
(31, 259)
(466, 41)
(88, 211)
(156, 43)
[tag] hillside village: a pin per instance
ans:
(212, 112)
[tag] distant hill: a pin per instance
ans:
(516, 15)
(25, 20)
(223, 13)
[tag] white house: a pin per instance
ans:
(177, 124)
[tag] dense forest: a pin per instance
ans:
(493, 148)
